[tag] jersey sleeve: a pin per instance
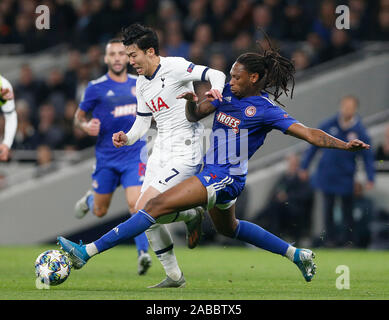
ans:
(277, 118)
(142, 109)
(9, 105)
(89, 99)
(188, 71)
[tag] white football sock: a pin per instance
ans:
(161, 240)
(91, 249)
(169, 262)
(187, 215)
(290, 253)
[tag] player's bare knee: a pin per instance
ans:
(155, 207)
(132, 208)
(100, 211)
(151, 205)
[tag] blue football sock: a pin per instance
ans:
(259, 237)
(142, 243)
(130, 228)
(90, 202)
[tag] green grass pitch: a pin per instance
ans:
(212, 273)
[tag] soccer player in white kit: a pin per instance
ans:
(7, 106)
(177, 151)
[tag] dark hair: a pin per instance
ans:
(142, 36)
(273, 69)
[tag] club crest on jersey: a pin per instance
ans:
(160, 104)
(250, 111)
(190, 68)
(95, 184)
(229, 121)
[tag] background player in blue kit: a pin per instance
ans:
(335, 172)
(242, 121)
(111, 100)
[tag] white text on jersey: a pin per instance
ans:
(126, 110)
(229, 121)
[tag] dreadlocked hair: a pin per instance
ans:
(274, 70)
(142, 36)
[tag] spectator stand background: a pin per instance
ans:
(203, 31)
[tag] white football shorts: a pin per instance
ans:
(164, 175)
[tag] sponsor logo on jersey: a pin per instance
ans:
(191, 67)
(110, 93)
(250, 111)
(126, 110)
(154, 107)
(228, 99)
(229, 121)
(207, 178)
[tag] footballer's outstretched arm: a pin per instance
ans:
(322, 139)
(137, 131)
(196, 111)
(217, 80)
(194, 72)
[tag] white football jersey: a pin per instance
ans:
(156, 95)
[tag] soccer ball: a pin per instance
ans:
(52, 267)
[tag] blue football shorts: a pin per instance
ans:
(222, 188)
(105, 179)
